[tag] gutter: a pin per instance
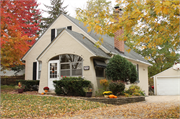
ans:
(133, 59)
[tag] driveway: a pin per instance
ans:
(153, 99)
(151, 108)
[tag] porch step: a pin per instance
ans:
(51, 93)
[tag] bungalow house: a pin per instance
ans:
(67, 49)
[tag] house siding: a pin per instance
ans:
(44, 41)
(143, 76)
(66, 44)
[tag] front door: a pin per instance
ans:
(53, 73)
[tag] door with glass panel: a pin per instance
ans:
(53, 73)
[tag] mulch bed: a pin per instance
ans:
(36, 93)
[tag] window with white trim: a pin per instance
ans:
(71, 65)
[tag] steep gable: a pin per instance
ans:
(83, 40)
(108, 46)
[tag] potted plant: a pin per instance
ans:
(107, 93)
(20, 87)
(46, 89)
(88, 91)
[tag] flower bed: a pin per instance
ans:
(116, 101)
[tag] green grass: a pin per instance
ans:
(24, 106)
(7, 87)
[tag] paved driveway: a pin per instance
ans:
(153, 99)
(153, 106)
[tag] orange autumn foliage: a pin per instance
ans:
(19, 27)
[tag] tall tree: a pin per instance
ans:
(19, 29)
(54, 10)
(94, 6)
(97, 15)
(150, 26)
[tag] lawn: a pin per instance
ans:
(32, 106)
(24, 106)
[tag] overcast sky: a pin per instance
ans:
(72, 5)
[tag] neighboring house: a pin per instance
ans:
(67, 49)
(11, 73)
(168, 81)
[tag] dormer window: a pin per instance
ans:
(55, 32)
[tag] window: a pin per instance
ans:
(70, 65)
(99, 71)
(39, 69)
(99, 65)
(137, 69)
(53, 70)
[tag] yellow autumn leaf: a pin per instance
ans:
(128, 50)
(85, 23)
(165, 11)
(89, 28)
(97, 21)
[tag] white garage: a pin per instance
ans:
(168, 85)
(167, 82)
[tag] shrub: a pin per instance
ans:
(30, 85)
(104, 83)
(118, 68)
(133, 75)
(135, 91)
(116, 87)
(71, 86)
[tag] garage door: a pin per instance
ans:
(168, 86)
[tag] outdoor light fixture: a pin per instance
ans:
(176, 66)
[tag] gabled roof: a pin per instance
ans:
(108, 43)
(83, 40)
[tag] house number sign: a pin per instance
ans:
(86, 67)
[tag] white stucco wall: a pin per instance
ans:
(143, 76)
(66, 44)
(43, 42)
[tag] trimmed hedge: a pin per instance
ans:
(30, 85)
(71, 86)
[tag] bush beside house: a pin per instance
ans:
(119, 68)
(30, 85)
(71, 86)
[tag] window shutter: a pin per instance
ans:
(52, 34)
(69, 27)
(34, 70)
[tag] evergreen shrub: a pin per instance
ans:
(30, 85)
(71, 86)
(119, 68)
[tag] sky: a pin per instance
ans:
(72, 5)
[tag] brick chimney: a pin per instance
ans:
(118, 44)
